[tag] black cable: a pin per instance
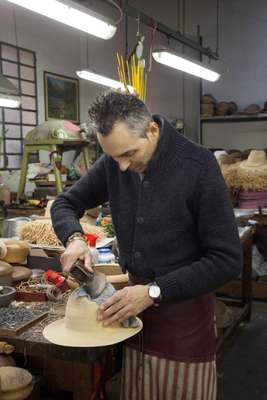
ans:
(217, 27)
(126, 37)
(15, 25)
(113, 3)
(178, 8)
(87, 52)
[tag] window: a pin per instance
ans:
(19, 66)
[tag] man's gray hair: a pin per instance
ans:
(114, 107)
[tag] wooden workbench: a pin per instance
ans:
(77, 370)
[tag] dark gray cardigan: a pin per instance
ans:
(176, 226)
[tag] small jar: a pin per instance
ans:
(105, 256)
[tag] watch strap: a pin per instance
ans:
(76, 236)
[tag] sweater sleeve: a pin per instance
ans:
(220, 247)
(90, 191)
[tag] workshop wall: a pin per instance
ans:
(242, 47)
(243, 37)
(62, 50)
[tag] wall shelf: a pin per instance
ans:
(235, 118)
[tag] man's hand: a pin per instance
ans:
(77, 249)
(129, 301)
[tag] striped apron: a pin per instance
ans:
(173, 358)
(156, 378)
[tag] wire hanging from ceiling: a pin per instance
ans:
(116, 5)
(15, 25)
(217, 27)
(152, 38)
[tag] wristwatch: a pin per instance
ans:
(154, 293)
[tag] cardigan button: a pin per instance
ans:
(146, 184)
(137, 254)
(140, 220)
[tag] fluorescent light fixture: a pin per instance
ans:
(70, 13)
(182, 63)
(9, 101)
(9, 94)
(102, 80)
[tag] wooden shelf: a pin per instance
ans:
(235, 118)
(234, 289)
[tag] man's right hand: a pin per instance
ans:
(77, 249)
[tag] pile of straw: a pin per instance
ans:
(41, 232)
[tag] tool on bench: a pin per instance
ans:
(93, 282)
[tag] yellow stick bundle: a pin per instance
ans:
(132, 74)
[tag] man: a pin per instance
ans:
(177, 239)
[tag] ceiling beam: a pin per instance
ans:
(168, 32)
(135, 13)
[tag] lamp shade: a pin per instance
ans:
(70, 13)
(101, 80)
(9, 94)
(180, 62)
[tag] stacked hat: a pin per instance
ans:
(207, 107)
(13, 250)
(252, 173)
(249, 177)
(252, 109)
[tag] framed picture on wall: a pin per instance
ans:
(61, 94)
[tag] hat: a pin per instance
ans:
(252, 109)
(251, 174)
(207, 109)
(228, 159)
(256, 162)
(208, 99)
(233, 107)
(223, 108)
(80, 327)
(264, 110)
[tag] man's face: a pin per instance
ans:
(132, 152)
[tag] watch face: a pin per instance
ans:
(154, 291)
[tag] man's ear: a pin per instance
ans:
(153, 131)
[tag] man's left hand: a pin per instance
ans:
(125, 303)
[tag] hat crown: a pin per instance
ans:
(256, 157)
(81, 315)
(80, 327)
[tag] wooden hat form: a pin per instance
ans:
(15, 383)
(5, 268)
(21, 273)
(17, 250)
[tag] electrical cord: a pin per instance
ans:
(217, 26)
(113, 3)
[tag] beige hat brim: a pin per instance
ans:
(58, 333)
(255, 169)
